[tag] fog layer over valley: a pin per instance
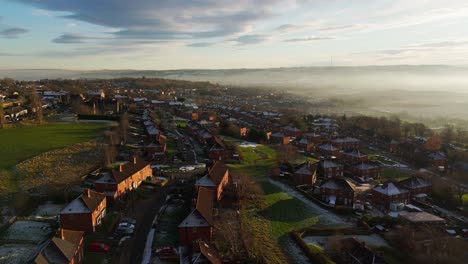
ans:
(416, 91)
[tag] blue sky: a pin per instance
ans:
(208, 34)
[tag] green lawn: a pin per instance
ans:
(286, 213)
(394, 174)
(282, 213)
(21, 143)
(465, 200)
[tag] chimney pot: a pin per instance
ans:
(88, 192)
(62, 236)
(134, 160)
(120, 168)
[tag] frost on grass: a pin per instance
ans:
(27, 231)
(15, 253)
(48, 209)
(61, 167)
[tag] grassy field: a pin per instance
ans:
(395, 174)
(281, 212)
(21, 143)
(465, 200)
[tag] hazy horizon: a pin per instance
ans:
(122, 34)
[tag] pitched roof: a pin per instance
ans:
(330, 164)
(216, 173)
(338, 184)
(354, 153)
(365, 166)
(128, 169)
(415, 182)
(209, 252)
(205, 181)
(85, 203)
(306, 168)
(202, 215)
(61, 248)
(361, 253)
(92, 199)
(328, 147)
(217, 142)
(390, 189)
(205, 204)
(346, 140)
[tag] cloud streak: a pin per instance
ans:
(308, 39)
(166, 19)
(13, 32)
(251, 39)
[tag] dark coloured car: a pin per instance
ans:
(99, 247)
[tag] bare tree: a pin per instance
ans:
(36, 104)
(228, 228)
(123, 126)
(2, 117)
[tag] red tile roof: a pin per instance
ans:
(205, 204)
(92, 199)
(128, 169)
(217, 172)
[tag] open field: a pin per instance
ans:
(395, 174)
(279, 211)
(21, 143)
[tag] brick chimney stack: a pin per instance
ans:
(88, 193)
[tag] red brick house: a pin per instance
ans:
(353, 156)
(393, 146)
(346, 143)
(438, 159)
(155, 149)
(384, 195)
(84, 213)
(366, 170)
(314, 138)
(305, 145)
(338, 191)
(328, 150)
(280, 138)
(194, 116)
(198, 225)
(126, 177)
(217, 150)
(291, 131)
(330, 169)
(417, 186)
(216, 179)
(305, 173)
(203, 136)
(65, 247)
(242, 131)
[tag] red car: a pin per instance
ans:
(167, 253)
(99, 247)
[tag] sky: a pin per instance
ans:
(220, 34)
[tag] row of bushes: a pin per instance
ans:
(99, 117)
(315, 256)
(311, 231)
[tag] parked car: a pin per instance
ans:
(126, 225)
(128, 220)
(167, 253)
(125, 230)
(99, 247)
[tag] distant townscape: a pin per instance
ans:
(147, 170)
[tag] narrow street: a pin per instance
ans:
(144, 213)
